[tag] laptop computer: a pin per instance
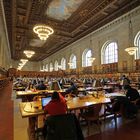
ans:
(45, 101)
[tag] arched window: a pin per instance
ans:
(109, 53)
(86, 61)
(56, 65)
(72, 62)
(137, 43)
(43, 67)
(47, 69)
(63, 64)
(51, 67)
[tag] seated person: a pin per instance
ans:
(41, 86)
(123, 105)
(57, 105)
(30, 86)
(72, 89)
(131, 93)
(124, 81)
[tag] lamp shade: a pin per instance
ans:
(55, 85)
(131, 50)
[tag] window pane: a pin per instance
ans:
(111, 53)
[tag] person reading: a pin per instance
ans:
(41, 86)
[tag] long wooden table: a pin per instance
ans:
(29, 94)
(31, 110)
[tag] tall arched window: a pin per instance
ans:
(137, 43)
(51, 67)
(47, 69)
(109, 53)
(43, 67)
(87, 54)
(56, 65)
(63, 64)
(72, 62)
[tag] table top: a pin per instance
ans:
(85, 101)
(32, 92)
(114, 94)
(30, 109)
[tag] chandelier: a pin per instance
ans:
(24, 60)
(70, 64)
(91, 59)
(131, 49)
(43, 31)
(28, 53)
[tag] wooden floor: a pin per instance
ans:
(6, 113)
(127, 129)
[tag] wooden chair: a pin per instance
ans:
(136, 102)
(113, 109)
(92, 115)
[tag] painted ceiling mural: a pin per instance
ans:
(36, 43)
(62, 9)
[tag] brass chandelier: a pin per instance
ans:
(29, 53)
(131, 49)
(43, 31)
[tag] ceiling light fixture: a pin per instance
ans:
(24, 60)
(131, 49)
(70, 64)
(43, 31)
(28, 53)
(91, 59)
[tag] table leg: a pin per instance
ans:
(31, 128)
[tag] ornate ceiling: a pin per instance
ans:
(70, 19)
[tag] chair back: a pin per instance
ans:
(63, 127)
(97, 109)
